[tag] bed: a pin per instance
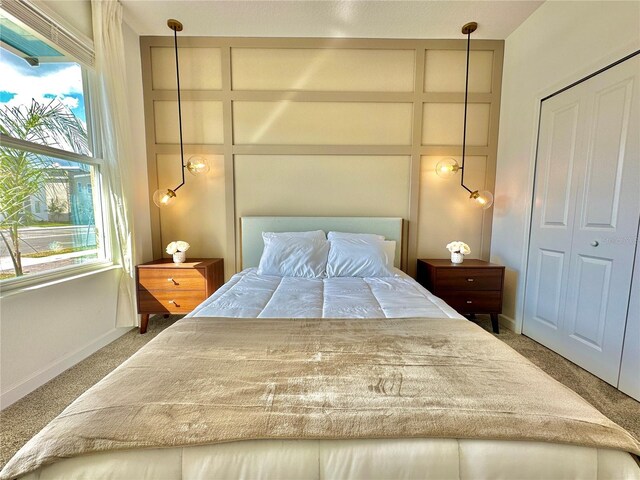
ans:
(277, 377)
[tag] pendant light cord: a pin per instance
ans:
(464, 128)
(175, 44)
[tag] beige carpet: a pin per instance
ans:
(25, 418)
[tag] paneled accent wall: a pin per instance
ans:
(321, 127)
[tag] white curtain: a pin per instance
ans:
(117, 149)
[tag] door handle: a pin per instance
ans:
(595, 243)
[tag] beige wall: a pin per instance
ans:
(318, 127)
(557, 45)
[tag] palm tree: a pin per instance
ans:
(24, 174)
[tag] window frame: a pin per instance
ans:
(100, 214)
(101, 210)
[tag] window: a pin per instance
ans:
(50, 219)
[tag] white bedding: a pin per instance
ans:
(249, 295)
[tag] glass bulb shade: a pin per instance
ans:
(198, 165)
(482, 199)
(164, 197)
(447, 167)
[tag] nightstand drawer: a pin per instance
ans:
(474, 302)
(468, 279)
(169, 302)
(171, 279)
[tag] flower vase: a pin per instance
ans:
(456, 257)
(179, 257)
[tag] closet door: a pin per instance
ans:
(585, 220)
(560, 142)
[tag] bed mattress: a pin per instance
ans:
(249, 295)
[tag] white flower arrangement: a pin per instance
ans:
(459, 247)
(178, 246)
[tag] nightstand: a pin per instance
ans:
(471, 287)
(165, 287)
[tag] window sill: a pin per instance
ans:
(17, 287)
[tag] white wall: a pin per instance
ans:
(139, 197)
(44, 330)
(558, 44)
(629, 381)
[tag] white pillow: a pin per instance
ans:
(317, 234)
(390, 249)
(293, 256)
(356, 257)
(363, 236)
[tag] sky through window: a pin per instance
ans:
(20, 83)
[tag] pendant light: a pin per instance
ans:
(447, 167)
(197, 164)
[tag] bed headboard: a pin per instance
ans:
(251, 229)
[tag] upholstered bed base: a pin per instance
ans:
(366, 459)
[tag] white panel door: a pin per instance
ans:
(585, 219)
(559, 149)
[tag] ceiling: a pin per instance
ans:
(329, 18)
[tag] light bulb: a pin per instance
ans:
(483, 199)
(163, 197)
(447, 167)
(198, 165)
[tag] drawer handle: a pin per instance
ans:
(174, 302)
(170, 279)
(469, 301)
(470, 280)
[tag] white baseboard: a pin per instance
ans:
(507, 322)
(16, 392)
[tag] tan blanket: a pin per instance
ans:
(208, 380)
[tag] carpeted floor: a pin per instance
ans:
(25, 418)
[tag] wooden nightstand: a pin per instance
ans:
(166, 287)
(474, 286)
